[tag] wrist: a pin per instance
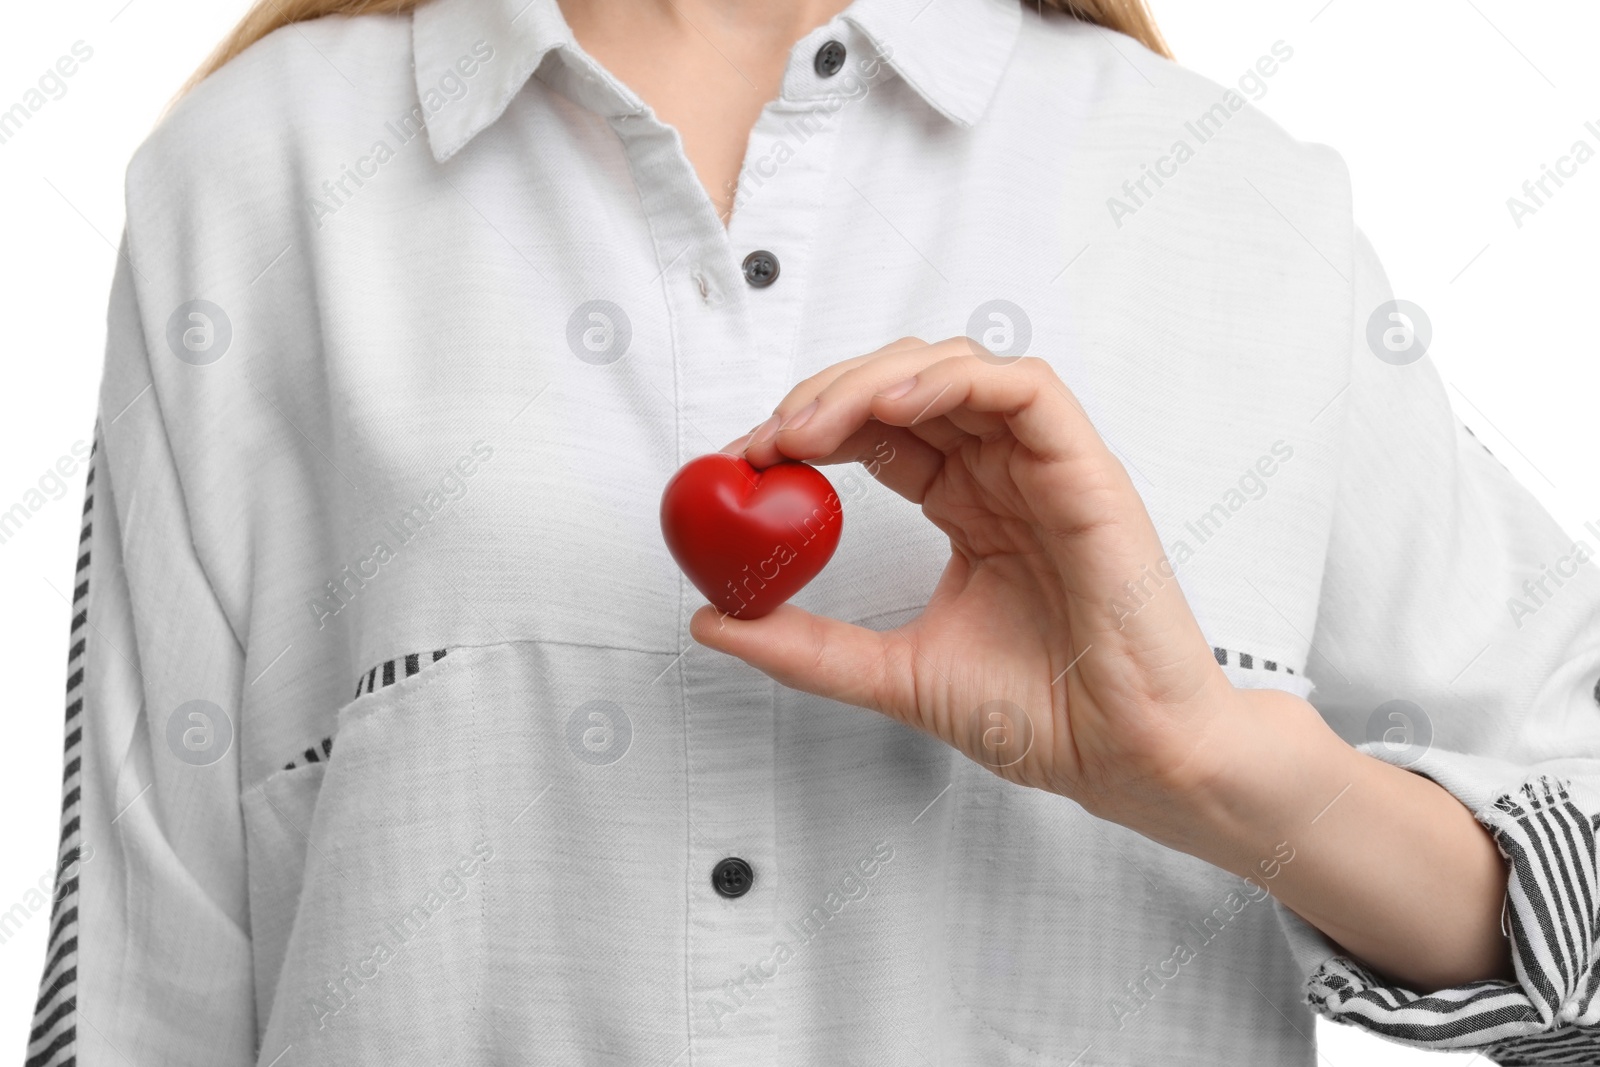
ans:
(1273, 769)
(1391, 867)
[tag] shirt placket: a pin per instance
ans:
(734, 300)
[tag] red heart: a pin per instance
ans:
(749, 539)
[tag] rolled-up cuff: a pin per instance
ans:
(1551, 1014)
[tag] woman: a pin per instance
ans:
(1204, 697)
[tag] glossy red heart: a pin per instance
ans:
(750, 539)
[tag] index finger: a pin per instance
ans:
(817, 400)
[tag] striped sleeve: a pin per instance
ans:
(1552, 1013)
(150, 956)
(50, 1041)
(1458, 637)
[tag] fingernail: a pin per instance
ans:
(801, 417)
(765, 430)
(895, 392)
(736, 446)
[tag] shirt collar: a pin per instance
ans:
(952, 52)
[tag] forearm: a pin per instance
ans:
(1385, 862)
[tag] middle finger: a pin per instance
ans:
(820, 413)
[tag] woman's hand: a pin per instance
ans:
(1058, 651)
(1031, 657)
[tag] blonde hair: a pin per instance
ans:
(1131, 17)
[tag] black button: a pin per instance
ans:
(760, 268)
(830, 59)
(732, 877)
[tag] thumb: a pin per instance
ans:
(811, 653)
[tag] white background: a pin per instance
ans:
(1443, 108)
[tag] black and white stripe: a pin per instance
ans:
(315, 754)
(386, 673)
(1247, 661)
(1569, 1044)
(53, 1037)
(1551, 1016)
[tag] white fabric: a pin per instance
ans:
(428, 320)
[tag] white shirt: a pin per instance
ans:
(438, 382)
